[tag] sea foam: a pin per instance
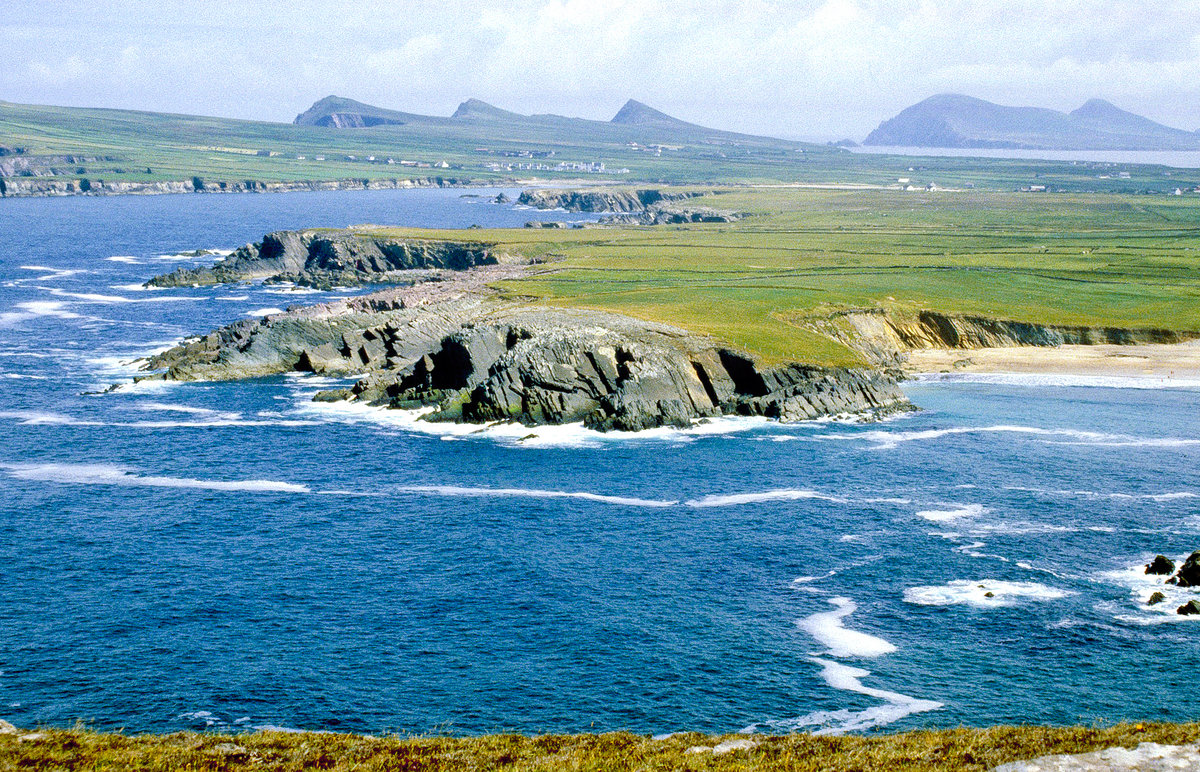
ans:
(833, 722)
(983, 593)
(533, 493)
(827, 628)
(111, 474)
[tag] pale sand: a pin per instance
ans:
(1151, 360)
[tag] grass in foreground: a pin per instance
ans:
(954, 749)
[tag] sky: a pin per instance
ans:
(814, 69)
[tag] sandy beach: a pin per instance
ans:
(1155, 361)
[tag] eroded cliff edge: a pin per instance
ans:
(457, 348)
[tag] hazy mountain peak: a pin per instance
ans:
(477, 108)
(635, 113)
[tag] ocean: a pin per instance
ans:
(233, 555)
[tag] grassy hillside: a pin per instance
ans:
(961, 750)
(1121, 261)
(121, 145)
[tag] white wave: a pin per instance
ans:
(216, 421)
(23, 377)
(197, 411)
(957, 512)
(827, 628)
(129, 259)
(135, 287)
(111, 474)
(234, 298)
(1170, 496)
(33, 309)
(264, 311)
(884, 440)
(287, 289)
(785, 494)
(50, 274)
(1063, 380)
(832, 722)
(574, 435)
(93, 298)
(1142, 586)
(983, 593)
(533, 493)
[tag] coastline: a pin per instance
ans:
(1150, 361)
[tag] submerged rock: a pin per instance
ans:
(1161, 566)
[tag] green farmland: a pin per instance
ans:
(1120, 261)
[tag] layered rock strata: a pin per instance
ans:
(603, 200)
(883, 338)
(324, 258)
(466, 355)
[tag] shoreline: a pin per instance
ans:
(1149, 361)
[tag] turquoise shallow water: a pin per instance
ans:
(230, 555)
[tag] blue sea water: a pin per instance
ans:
(233, 556)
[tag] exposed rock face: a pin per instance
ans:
(45, 186)
(656, 215)
(1155, 599)
(602, 200)
(1189, 609)
(1189, 572)
(1161, 566)
(883, 338)
(334, 258)
(475, 358)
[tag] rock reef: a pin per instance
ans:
(329, 258)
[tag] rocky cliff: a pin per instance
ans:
(883, 337)
(467, 355)
(603, 200)
(13, 187)
(328, 258)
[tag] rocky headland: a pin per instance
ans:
(462, 351)
(330, 258)
(42, 186)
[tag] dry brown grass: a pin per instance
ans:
(955, 749)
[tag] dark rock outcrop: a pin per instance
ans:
(603, 200)
(472, 357)
(1190, 608)
(656, 215)
(1161, 566)
(324, 258)
(1155, 599)
(1189, 572)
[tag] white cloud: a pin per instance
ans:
(813, 67)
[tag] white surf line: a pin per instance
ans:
(1062, 380)
(828, 629)
(982, 593)
(44, 418)
(112, 474)
(1160, 497)
(891, 440)
(534, 493)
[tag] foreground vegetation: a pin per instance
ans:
(952, 749)
(133, 146)
(802, 255)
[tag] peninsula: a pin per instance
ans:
(625, 327)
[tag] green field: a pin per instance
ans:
(151, 147)
(1089, 260)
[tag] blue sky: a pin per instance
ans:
(819, 69)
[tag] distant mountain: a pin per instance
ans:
(477, 108)
(634, 122)
(954, 120)
(634, 113)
